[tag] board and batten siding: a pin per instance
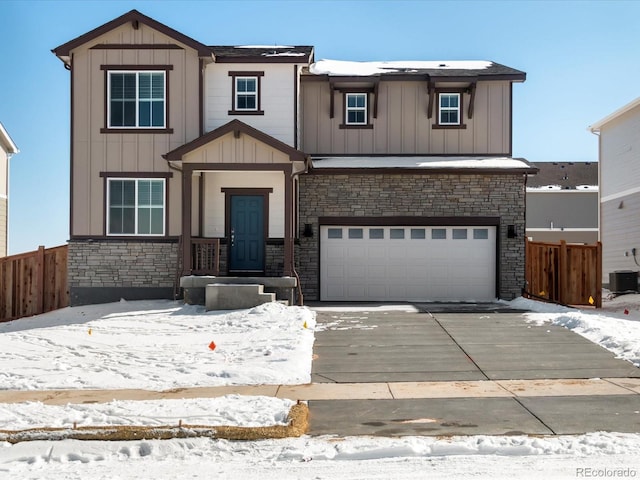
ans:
(95, 152)
(402, 126)
(276, 98)
(620, 193)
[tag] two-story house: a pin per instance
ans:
(562, 202)
(357, 181)
(619, 173)
(7, 149)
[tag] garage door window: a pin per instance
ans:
(396, 233)
(439, 234)
(417, 234)
(355, 233)
(480, 233)
(459, 233)
(334, 233)
(376, 233)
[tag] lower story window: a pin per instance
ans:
(135, 206)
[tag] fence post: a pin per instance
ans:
(599, 275)
(563, 274)
(40, 280)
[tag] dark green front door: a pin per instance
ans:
(246, 251)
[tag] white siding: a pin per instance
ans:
(620, 193)
(620, 155)
(276, 99)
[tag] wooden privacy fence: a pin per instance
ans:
(33, 283)
(565, 273)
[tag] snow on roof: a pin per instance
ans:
(421, 162)
(559, 188)
(263, 46)
(340, 67)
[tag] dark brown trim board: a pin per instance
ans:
(410, 221)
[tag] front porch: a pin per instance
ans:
(195, 287)
(207, 265)
(238, 212)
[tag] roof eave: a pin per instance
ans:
(595, 128)
(6, 140)
(420, 171)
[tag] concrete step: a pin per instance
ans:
(229, 296)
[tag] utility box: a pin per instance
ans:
(622, 281)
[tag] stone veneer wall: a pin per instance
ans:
(107, 270)
(433, 195)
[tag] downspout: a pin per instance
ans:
(293, 250)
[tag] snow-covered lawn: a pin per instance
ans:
(164, 345)
(156, 345)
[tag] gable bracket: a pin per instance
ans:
(472, 96)
(375, 98)
(332, 89)
(431, 94)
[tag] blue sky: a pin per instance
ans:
(581, 58)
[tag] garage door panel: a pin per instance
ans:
(407, 263)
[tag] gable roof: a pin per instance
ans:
(262, 54)
(457, 69)
(595, 128)
(133, 16)
(564, 176)
(6, 143)
(234, 126)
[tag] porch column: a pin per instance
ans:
(288, 221)
(187, 175)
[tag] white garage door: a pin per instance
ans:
(408, 263)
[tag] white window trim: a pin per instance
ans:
(256, 93)
(137, 126)
(136, 180)
(449, 109)
(348, 109)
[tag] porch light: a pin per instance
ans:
(308, 230)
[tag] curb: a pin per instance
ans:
(298, 424)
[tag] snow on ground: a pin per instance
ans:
(161, 345)
(156, 345)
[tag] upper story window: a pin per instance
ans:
(245, 96)
(246, 93)
(136, 206)
(449, 109)
(356, 109)
(137, 100)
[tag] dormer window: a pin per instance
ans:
(449, 109)
(245, 95)
(356, 109)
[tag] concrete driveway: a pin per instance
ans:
(445, 370)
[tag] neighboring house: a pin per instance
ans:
(619, 167)
(7, 150)
(562, 202)
(367, 181)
